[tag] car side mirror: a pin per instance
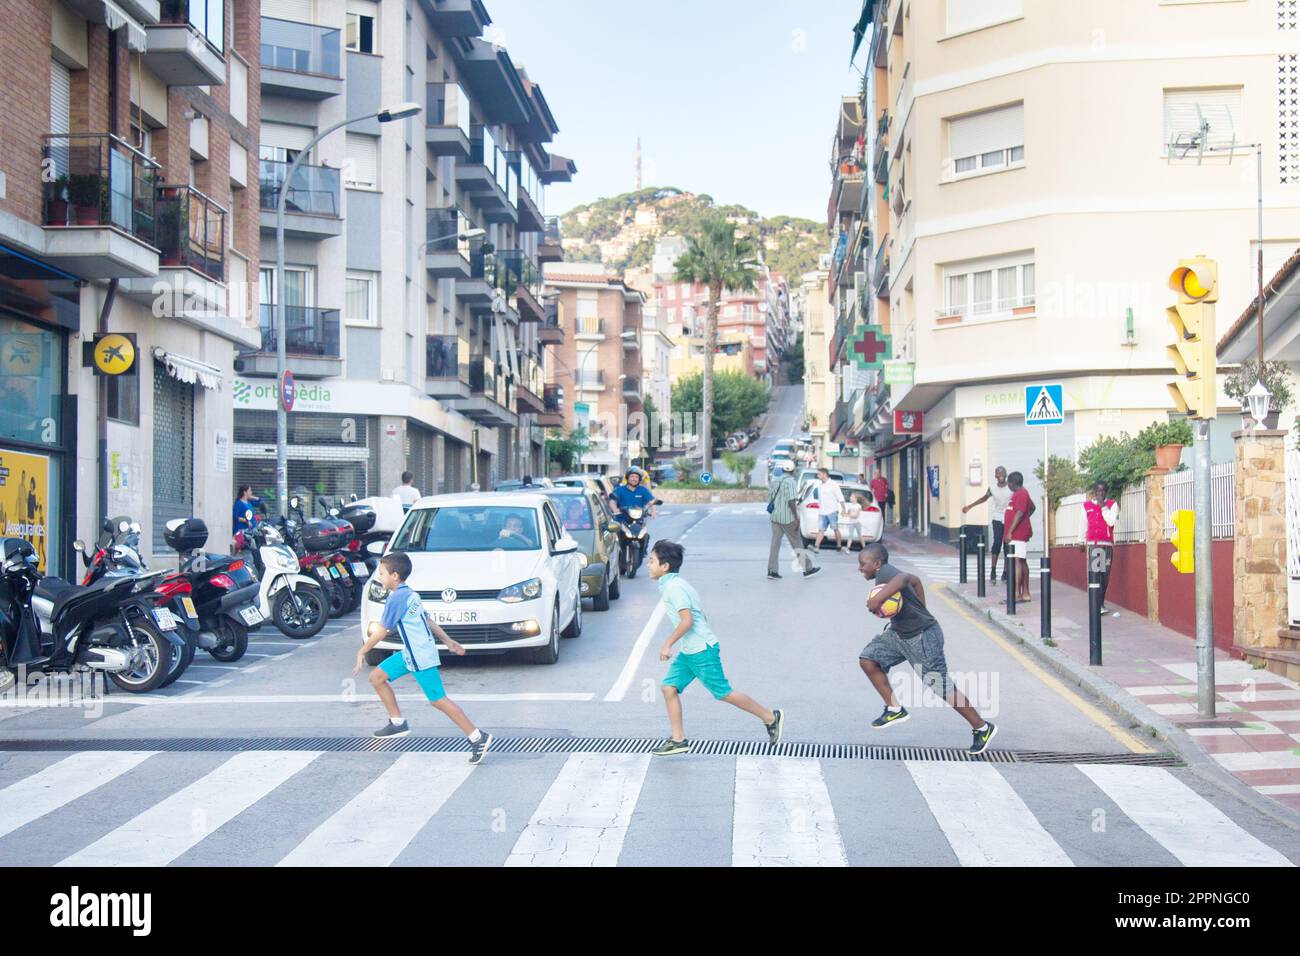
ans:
(565, 545)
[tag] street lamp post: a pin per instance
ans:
(400, 111)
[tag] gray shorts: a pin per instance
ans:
(924, 652)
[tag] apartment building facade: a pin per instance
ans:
(600, 365)
(752, 325)
(128, 204)
(1021, 229)
(414, 316)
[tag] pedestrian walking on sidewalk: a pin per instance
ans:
(782, 506)
(912, 636)
(830, 500)
(699, 655)
(1000, 495)
(1097, 529)
(881, 492)
(404, 616)
(406, 493)
(1016, 518)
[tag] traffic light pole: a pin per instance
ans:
(1203, 550)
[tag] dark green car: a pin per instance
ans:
(588, 521)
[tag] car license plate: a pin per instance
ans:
(189, 608)
(323, 574)
(251, 615)
(359, 569)
(335, 572)
(455, 617)
(166, 620)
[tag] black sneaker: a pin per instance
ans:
(811, 571)
(673, 747)
(773, 575)
(391, 729)
(889, 717)
(982, 738)
(477, 751)
(776, 726)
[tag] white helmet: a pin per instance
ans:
(787, 465)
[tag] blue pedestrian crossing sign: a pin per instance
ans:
(1044, 405)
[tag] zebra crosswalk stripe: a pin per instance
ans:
(985, 820)
(783, 815)
(1191, 828)
(173, 825)
(60, 783)
(585, 814)
(407, 794)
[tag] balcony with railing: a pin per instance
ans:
(527, 279)
(311, 202)
(447, 120)
(585, 380)
(488, 178)
(191, 231)
(446, 255)
(186, 47)
(550, 249)
(849, 177)
(490, 400)
(531, 385)
(553, 399)
(631, 386)
(446, 366)
(840, 420)
(551, 331)
(880, 269)
(589, 328)
(311, 343)
(99, 206)
(301, 60)
(530, 194)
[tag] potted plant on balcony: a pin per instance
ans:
(1167, 440)
(172, 230)
(56, 212)
(1275, 376)
(86, 192)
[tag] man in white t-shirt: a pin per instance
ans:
(830, 501)
(1000, 494)
(406, 493)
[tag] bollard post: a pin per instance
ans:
(1094, 608)
(961, 556)
(1045, 596)
(1011, 582)
(979, 568)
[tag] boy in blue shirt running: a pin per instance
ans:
(404, 615)
(699, 656)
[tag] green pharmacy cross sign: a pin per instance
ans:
(870, 347)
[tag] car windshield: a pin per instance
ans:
(469, 528)
(575, 512)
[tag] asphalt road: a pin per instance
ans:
(784, 416)
(791, 644)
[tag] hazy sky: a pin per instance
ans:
(735, 98)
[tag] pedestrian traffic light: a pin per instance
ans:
(1193, 353)
(1183, 557)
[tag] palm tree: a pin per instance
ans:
(715, 257)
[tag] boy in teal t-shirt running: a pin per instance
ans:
(699, 656)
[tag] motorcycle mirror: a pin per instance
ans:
(353, 496)
(79, 545)
(135, 527)
(659, 501)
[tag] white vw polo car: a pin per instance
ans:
(496, 572)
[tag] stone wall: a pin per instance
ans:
(1155, 481)
(1259, 550)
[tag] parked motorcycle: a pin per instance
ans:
(225, 593)
(633, 538)
(50, 626)
(319, 543)
(289, 599)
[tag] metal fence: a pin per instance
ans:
(1069, 518)
(1223, 498)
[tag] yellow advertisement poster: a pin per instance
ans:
(24, 499)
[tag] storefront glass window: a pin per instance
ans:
(31, 375)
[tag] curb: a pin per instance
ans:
(1121, 703)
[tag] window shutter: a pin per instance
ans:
(285, 136)
(363, 161)
(966, 15)
(987, 131)
(301, 10)
(60, 98)
(1185, 110)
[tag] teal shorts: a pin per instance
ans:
(706, 665)
(429, 679)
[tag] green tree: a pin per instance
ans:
(1062, 481)
(650, 440)
(566, 450)
(792, 359)
(737, 401)
(741, 465)
(717, 258)
(1118, 461)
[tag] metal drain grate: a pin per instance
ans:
(571, 745)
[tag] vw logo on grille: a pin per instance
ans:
(449, 595)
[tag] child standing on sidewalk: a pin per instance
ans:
(404, 616)
(699, 655)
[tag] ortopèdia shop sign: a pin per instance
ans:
(308, 396)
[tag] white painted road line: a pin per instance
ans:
(584, 816)
(1178, 818)
(619, 690)
(202, 696)
(984, 819)
(783, 815)
(377, 824)
(60, 783)
(174, 825)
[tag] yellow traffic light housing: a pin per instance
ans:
(1196, 280)
(1184, 558)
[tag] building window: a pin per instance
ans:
(989, 140)
(361, 169)
(362, 35)
(990, 289)
(359, 299)
(124, 398)
(1195, 119)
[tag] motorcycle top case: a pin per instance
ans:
(326, 534)
(361, 517)
(188, 534)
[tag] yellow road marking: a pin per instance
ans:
(1097, 716)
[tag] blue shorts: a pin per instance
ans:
(706, 665)
(829, 522)
(429, 679)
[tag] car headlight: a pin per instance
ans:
(523, 591)
(375, 592)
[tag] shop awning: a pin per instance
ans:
(189, 370)
(883, 453)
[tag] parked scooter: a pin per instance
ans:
(50, 626)
(633, 538)
(287, 598)
(319, 543)
(225, 593)
(374, 520)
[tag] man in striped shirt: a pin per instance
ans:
(782, 505)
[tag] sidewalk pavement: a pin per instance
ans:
(1149, 675)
